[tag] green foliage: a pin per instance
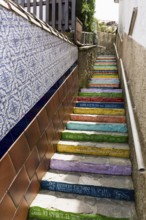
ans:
(85, 12)
(103, 27)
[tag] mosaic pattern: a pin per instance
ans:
(29, 58)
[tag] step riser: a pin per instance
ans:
(103, 95)
(90, 168)
(99, 105)
(98, 76)
(104, 81)
(45, 214)
(107, 119)
(105, 71)
(93, 151)
(99, 111)
(94, 191)
(94, 137)
(122, 128)
(109, 86)
(89, 90)
(98, 99)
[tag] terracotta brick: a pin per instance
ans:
(43, 120)
(50, 131)
(50, 151)
(52, 105)
(61, 93)
(19, 186)
(56, 121)
(50, 108)
(7, 208)
(32, 162)
(42, 169)
(32, 190)
(55, 141)
(56, 101)
(7, 174)
(19, 152)
(22, 211)
(42, 145)
(33, 133)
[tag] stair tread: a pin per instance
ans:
(95, 144)
(99, 111)
(124, 182)
(94, 116)
(101, 90)
(95, 132)
(72, 203)
(91, 159)
(97, 126)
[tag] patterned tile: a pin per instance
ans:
(31, 62)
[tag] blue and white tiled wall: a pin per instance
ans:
(31, 62)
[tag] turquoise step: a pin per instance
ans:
(92, 126)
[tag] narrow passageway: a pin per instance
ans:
(90, 174)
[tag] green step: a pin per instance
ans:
(110, 137)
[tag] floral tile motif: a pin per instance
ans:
(31, 62)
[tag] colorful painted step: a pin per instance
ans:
(98, 76)
(91, 164)
(108, 86)
(95, 185)
(99, 111)
(98, 99)
(62, 206)
(99, 105)
(105, 72)
(90, 175)
(94, 90)
(111, 137)
(88, 93)
(93, 126)
(104, 81)
(93, 148)
(98, 118)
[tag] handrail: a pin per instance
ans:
(137, 145)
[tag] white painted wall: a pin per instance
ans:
(125, 13)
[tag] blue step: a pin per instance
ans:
(88, 187)
(99, 105)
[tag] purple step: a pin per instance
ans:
(91, 164)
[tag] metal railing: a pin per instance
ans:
(137, 145)
(60, 14)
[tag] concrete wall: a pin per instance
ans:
(125, 13)
(134, 57)
(106, 40)
(132, 49)
(87, 57)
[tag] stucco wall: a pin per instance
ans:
(134, 57)
(125, 13)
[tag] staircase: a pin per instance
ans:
(90, 175)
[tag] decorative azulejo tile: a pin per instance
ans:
(31, 62)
